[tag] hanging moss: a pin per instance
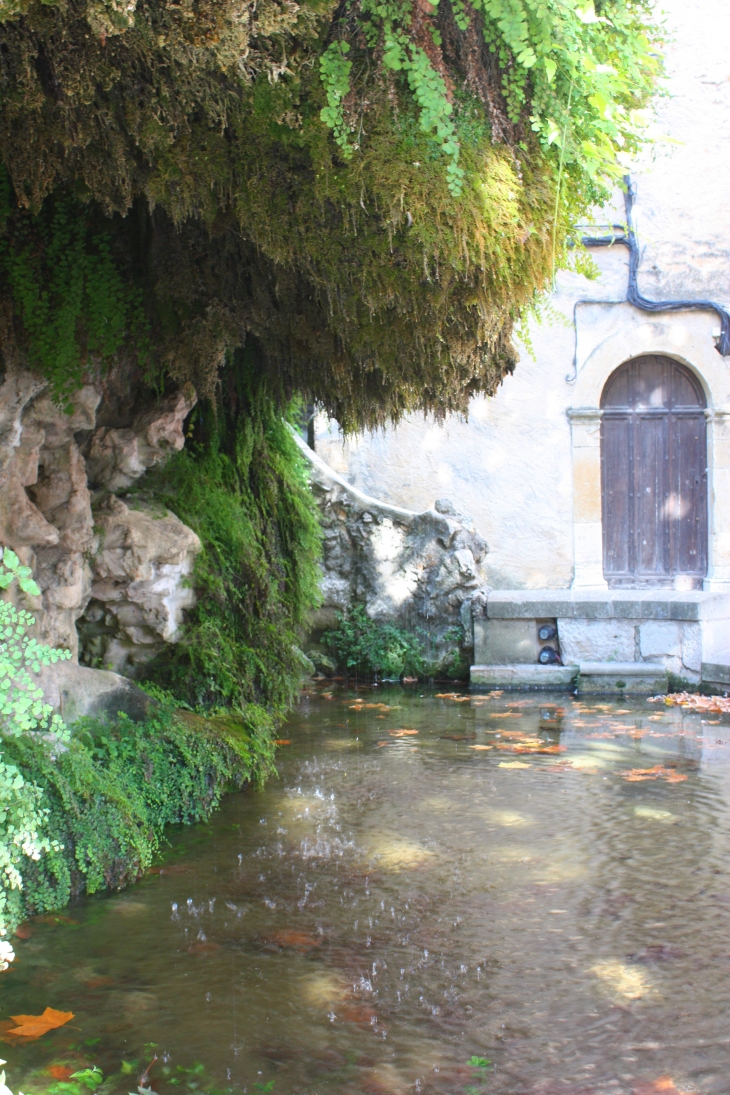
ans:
(114, 789)
(241, 485)
(369, 282)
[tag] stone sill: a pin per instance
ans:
(627, 604)
(535, 677)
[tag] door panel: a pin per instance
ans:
(686, 504)
(654, 475)
(650, 491)
(616, 469)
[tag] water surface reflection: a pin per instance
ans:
(533, 880)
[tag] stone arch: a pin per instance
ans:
(685, 338)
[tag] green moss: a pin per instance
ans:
(369, 284)
(242, 486)
(117, 786)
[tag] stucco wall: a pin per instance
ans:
(526, 475)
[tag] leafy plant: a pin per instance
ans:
(482, 1066)
(75, 308)
(22, 705)
(110, 794)
(371, 647)
(584, 76)
(242, 486)
(23, 711)
(365, 187)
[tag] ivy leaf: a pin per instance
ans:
(550, 68)
(29, 586)
(10, 559)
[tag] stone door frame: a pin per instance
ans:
(684, 337)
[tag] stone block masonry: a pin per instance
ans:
(665, 631)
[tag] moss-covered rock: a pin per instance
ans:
(116, 787)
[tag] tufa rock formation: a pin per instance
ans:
(112, 572)
(421, 571)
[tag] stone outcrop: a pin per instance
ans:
(112, 572)
(421, 571)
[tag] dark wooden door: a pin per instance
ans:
(654, 476)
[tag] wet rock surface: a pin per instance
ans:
(113, 573)
(421, 571)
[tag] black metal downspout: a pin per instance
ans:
(628, 237)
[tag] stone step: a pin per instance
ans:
(621, 678)
(553, 678)
(590, 678)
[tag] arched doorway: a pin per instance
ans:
(654, 476)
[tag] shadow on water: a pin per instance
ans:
(530, 880)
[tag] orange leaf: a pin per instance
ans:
(663, 1086)
(33, 1026)
(61, 1072)
(299, 941)
(402, 733)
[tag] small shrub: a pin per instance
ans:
(370, 647)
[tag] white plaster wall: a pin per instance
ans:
(511, 466)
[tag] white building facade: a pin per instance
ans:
(601, 468)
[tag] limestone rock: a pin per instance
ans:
(77, 692)
(140, 584)
(420, 571)
(117, 457)
(117, 576)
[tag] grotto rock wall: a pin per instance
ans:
(421, 571)
(112, 571)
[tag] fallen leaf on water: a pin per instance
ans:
(295, 940)
(282, 741)
(360, 706)
(541, 749)
(33, 1026)
(638, 775)
(457, 737)
(402, 733)
(60, 1072)
(664, 1085)
(513, 764)
(481, 747)
(358, 1013)
(203, 947)
(506, 715)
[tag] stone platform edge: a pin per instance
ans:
(654, 604)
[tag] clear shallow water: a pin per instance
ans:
(393, 904)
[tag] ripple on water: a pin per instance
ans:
(379, 916)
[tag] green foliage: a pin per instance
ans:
(370, 647)
(72, 304)
(23, 711)
(364, 188)
(11, 570)
(482, 1066)
(335, 72)
(112, 791)
(22, 705)
(242, 486)
(23, 819)
(583, 77)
